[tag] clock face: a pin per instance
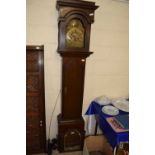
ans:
(75, 34)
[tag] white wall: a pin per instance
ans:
(106, 69)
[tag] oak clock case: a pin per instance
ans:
(74, 24)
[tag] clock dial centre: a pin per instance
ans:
(75, 34)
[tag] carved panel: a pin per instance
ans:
(32, 59)
(33, 122)
(33, 141)
(33, 131)
(33, 105)
(32, 83)
(32, 56)
(32, 66)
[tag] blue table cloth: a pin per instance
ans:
(113, 137)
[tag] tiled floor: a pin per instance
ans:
(57, 153)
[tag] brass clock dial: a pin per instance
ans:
(75, 34)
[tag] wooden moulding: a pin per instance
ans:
(75, 54)
(76, 3)
(35, 47)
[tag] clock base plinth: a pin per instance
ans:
(70, 134)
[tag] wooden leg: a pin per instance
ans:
(96, 127)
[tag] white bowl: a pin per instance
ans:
(122, 105)
(103, 100)
(110, 110)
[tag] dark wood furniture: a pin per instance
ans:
(122, 149)
(35, 102)
(74, 25)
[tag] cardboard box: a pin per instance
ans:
(97, 143)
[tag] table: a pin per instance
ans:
(113, 138)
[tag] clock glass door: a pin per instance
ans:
(75, 34)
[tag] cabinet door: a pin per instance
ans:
(35, 105)
(73, 81)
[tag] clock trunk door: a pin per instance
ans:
(73, 81)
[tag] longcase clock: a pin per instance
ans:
(74, 25)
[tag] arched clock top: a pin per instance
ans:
(78, 6)
(78, 13)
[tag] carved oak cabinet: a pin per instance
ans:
(35, 100)
(74, 25)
